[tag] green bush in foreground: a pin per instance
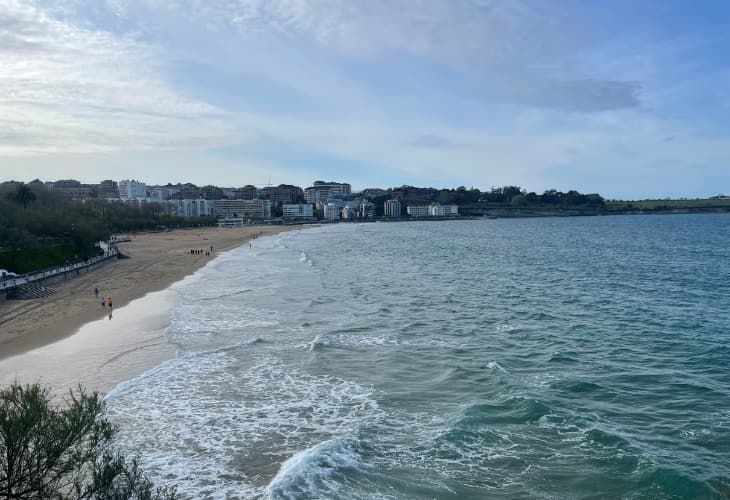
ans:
(47, 452)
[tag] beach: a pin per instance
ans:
(37, 340)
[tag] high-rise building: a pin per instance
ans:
(283, 193)
(392, 208)
(132, 190)
(324, 192)
(231, 209)
(108, 189)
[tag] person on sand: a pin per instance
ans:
(103, 302)
(96, 292)
(110, 302)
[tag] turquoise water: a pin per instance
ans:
(528, 358)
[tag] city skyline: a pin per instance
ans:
(630, 101)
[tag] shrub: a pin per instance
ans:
(66, 452)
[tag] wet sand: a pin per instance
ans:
(68, 338)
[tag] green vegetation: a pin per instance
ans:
(48, 452)
(514, 201)
(39, 229)
(667, 204)
(506, 199)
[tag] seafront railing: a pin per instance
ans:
(13, 281)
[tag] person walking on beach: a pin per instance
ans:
(96, 293)
(103, 302)
(110, 302)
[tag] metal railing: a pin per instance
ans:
(13, 281)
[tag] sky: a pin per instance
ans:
(629, 99)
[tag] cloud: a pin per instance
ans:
(64, 88)
(432, 141)
(501, 52)
(444, 92)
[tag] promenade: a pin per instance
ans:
(9, 283)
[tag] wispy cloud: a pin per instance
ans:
(439, 91)
(433, 141)
(64, 88)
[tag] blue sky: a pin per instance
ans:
(628, 99)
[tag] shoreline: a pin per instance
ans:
(156, 261)
(106, 351)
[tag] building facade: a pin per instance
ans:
(72, 189)
(438, 210)
(132, 190)
(231, 209)
(392, 208)
(298, 211)
(324, 192)
(333, 210)
(283, 193)
(418, 210)
(190, 208)
(109, 189)
(348, 212)
(367, 210)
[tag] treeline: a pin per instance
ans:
(41, 229)
(500, 197)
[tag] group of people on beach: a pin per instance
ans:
(104, 301)
(197, 251)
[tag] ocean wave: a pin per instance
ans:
(190, 416)
(316, 471)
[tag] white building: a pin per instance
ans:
(348, 212)
(392, 208)
(190, 208)
(418, 210)
(231, 209)
(324, 192)
(132, 190)
(333, 210)
(438, 210)
(300, 211)
(367, 210)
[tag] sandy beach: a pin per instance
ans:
(68, 338)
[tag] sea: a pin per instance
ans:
(583, 357)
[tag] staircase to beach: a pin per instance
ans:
(33, 290)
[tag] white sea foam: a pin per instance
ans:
(198, 421)
(219, 317)
(493, 365)
(313, 470)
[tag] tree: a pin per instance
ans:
(64, 453)
(24, 195)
